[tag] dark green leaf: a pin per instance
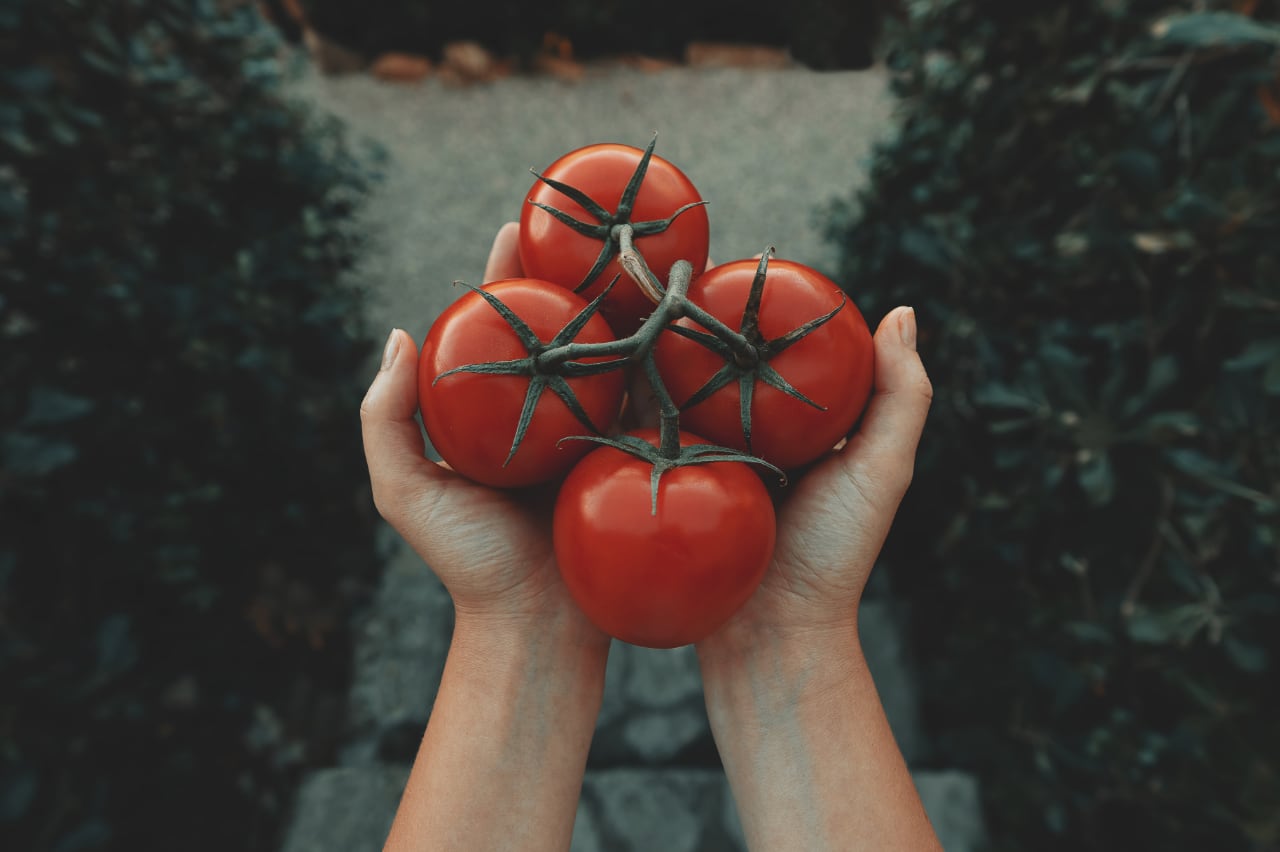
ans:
(1264, 351)
(1181, 423)
(32, 80)
(1151, 628)
(1215, 29)
(1271, 379)
(117, 647)
(34, 455)
(1091, 632)
(1139, 168)
(50, 405)
(1097, 479)
(997, 395)
(18, 785)
(1246, 656)
(924, 247)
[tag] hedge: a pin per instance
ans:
(1080, 200)
(184, 522)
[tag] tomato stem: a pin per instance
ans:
(634, 265)
(744, 353)
(635, 347)
(668, 413)
(607, 224)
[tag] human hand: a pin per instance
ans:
(833, 521)
(492, 549)
(802, 733)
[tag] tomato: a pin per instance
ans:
(552, 250)
(472, 418)
(666, 579)
(833, 366)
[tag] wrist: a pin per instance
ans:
(564, 646)
(777, 670)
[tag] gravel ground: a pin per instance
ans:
(766, 148)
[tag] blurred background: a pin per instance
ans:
(1081, 200)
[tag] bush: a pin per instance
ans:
(1081, 204)
(821, 33)
(183, 520)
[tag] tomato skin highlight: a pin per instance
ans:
(471, 419)
(670, 579)
(834, 366)
(551, 250)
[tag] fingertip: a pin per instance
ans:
(393, 394)
(895, 349)
(504, 256)
(393, 443)
(899, 407)
(392, 348)
(907, 326)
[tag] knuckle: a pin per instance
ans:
(382, 502)
(925, 387)
(366, 406)
(388, 499)
(906, 475)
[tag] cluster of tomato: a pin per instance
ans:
(660, 535)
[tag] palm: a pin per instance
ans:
(489, 547)
(828, 538)
(833, 523)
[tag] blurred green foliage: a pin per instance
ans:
(820, 33)
(1082, 202)
(183, 519)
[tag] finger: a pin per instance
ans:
(504, 257)
(393, 445)
(884, 448)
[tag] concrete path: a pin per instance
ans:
(765, 148)
(768, 149)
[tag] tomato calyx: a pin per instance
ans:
(542, 377)
(662, 459)
(606, 227)
(747, 352)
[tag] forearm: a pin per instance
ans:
(501, 764)
(807, 748)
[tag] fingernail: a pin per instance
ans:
(392, 347)
(907, 327)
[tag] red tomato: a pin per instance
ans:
(472, 418)
(551, 250)
(833, 366)
(668, 579)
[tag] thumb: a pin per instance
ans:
(884, 448)
(393, 447)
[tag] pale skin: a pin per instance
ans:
(804, 739)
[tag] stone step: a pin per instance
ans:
(653, 709)
(350, 809)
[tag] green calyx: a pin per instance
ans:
(747, 352)
(541, 378)
(603, 228)
(661, 461)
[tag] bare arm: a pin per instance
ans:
(503, 756)
(502, 761)
(808, 750)
(800, 728)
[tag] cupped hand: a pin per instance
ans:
(833, 519)
(492, 549)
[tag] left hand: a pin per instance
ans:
(492, 549)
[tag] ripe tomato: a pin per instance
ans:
(833, 366)
(472, 418)
(667, 579)
(552, 250)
